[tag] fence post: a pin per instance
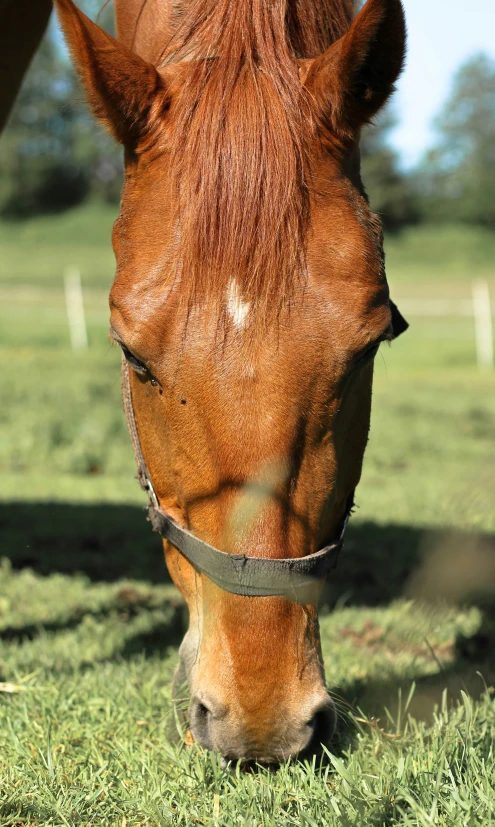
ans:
(75, 309)
(482, 312)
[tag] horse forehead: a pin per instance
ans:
(237, 307)
(246, 363)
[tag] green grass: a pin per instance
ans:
(89, 623)
(85, 712)
(429, 255)
(35, 252)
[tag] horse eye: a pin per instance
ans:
(135, 364)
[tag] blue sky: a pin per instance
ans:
(442, 34)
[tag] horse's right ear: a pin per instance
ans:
(352, 80)
(124, 91)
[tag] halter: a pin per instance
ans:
(293, 578)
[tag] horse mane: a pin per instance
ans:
(240, 154)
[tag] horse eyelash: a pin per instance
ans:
(136, 364)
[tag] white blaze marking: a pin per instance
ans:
(237, 308)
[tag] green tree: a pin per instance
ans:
(37, 169)
(458, 175)
(388, 187)
(52, 155)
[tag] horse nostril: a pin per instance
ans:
(322, 727)
(202, 711)
(200, 720)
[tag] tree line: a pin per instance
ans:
(455, 180)
(52, 157)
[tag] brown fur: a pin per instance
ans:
(254, 442)
(243, 195)
(352, 81)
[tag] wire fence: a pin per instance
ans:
(77, 308)
(478, 307)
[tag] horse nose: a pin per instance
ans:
(205, 715)
(321, 727)
(216, 728)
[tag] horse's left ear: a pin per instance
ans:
(352, 80)
(124, 91)
(399, 324)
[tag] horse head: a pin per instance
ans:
(249, 302)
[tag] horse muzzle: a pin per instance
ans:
(265, 739)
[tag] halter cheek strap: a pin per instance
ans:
(297, 579)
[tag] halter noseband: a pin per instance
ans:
(293, 578)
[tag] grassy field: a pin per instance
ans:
(89, 623)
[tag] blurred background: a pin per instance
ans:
(425, 526)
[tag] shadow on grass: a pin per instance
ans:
(113, 542)
(379, 564)
(104, 542)
(470, 669)
(373, 697)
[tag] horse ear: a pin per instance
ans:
(124, 91)
(352, 80)
(399, 324)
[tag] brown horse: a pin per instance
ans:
(250, 301)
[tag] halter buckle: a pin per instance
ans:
(151, 492)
